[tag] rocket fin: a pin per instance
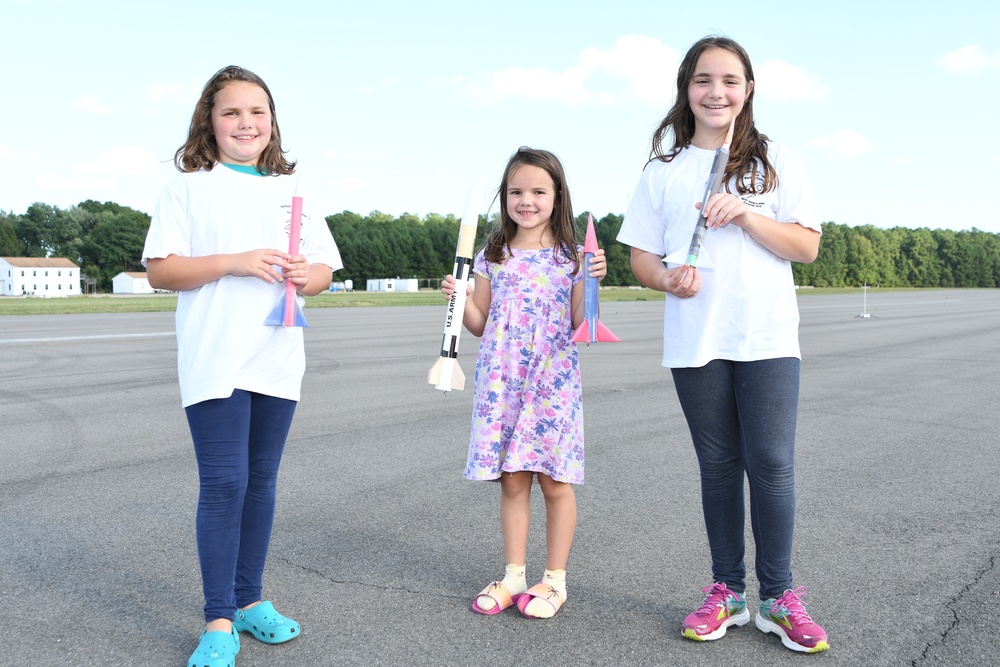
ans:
(680, 257)
(458, 378)
(435, 375)
(604, 334)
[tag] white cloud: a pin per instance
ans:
(846, 144)
(779, 81)
(649, 66)
(969, 60)
(6, 150)
(644, 66)
(91, 104)
(126, 160)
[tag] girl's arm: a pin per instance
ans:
(598, 269)
(789, 241)
(177, 273)
(477, 308)
(681, 281)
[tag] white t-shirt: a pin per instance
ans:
(746, 308)
(222, 341)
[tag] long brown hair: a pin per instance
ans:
(561, 224)
(749, 148)
(200, 151)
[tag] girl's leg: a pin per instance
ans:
(515, 520)
(708, 400)
(768, 393)
(560, 520)
(270, 419)
(515, 514)
(220, 431)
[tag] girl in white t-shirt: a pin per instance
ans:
(217, 237)
(731, 328)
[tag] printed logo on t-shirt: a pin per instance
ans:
(286, 210)
(750, 198)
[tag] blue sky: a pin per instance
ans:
(404, 106)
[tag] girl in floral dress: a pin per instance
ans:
(527, 420)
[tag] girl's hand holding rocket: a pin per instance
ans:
(724, 208)
(448, 287)
(598, 265)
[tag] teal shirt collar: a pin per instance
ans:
(243, 168)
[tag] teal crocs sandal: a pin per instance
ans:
(266, 624)
(216, 649)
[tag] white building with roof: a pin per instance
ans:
(39, 276)
(131, 282)
(393, 285)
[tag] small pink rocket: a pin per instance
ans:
(592, 330)
(287, 313)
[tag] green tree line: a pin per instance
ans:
(106, 239)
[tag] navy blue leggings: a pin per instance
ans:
(742, 421)
(238, 442)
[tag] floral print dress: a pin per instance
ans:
(528, 412)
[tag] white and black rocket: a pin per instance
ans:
(446, 374)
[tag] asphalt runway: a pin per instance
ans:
(379, 545)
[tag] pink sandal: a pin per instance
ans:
(542, 592)
(499, 593)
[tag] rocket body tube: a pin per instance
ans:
(714, 185)
(446, 374)
(288, 313)
(591, 330)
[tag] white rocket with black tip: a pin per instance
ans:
(446, 374)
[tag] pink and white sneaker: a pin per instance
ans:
(786, 617)
(721, 609)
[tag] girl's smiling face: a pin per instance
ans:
(717, 92)
(241, 121)
(531, 197)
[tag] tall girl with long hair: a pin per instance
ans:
(730, 332)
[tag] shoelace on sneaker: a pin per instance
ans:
(791, 603)
(715, 597)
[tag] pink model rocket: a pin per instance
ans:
(287, 313)
(446, 374)
(591, 330)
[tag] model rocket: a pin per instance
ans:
(716, 178)
(591, 330)
(446, 374)
(287, 313)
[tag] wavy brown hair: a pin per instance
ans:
(748, 152)
(200, 151)
(561, 224)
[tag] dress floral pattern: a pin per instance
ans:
(528, 412)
